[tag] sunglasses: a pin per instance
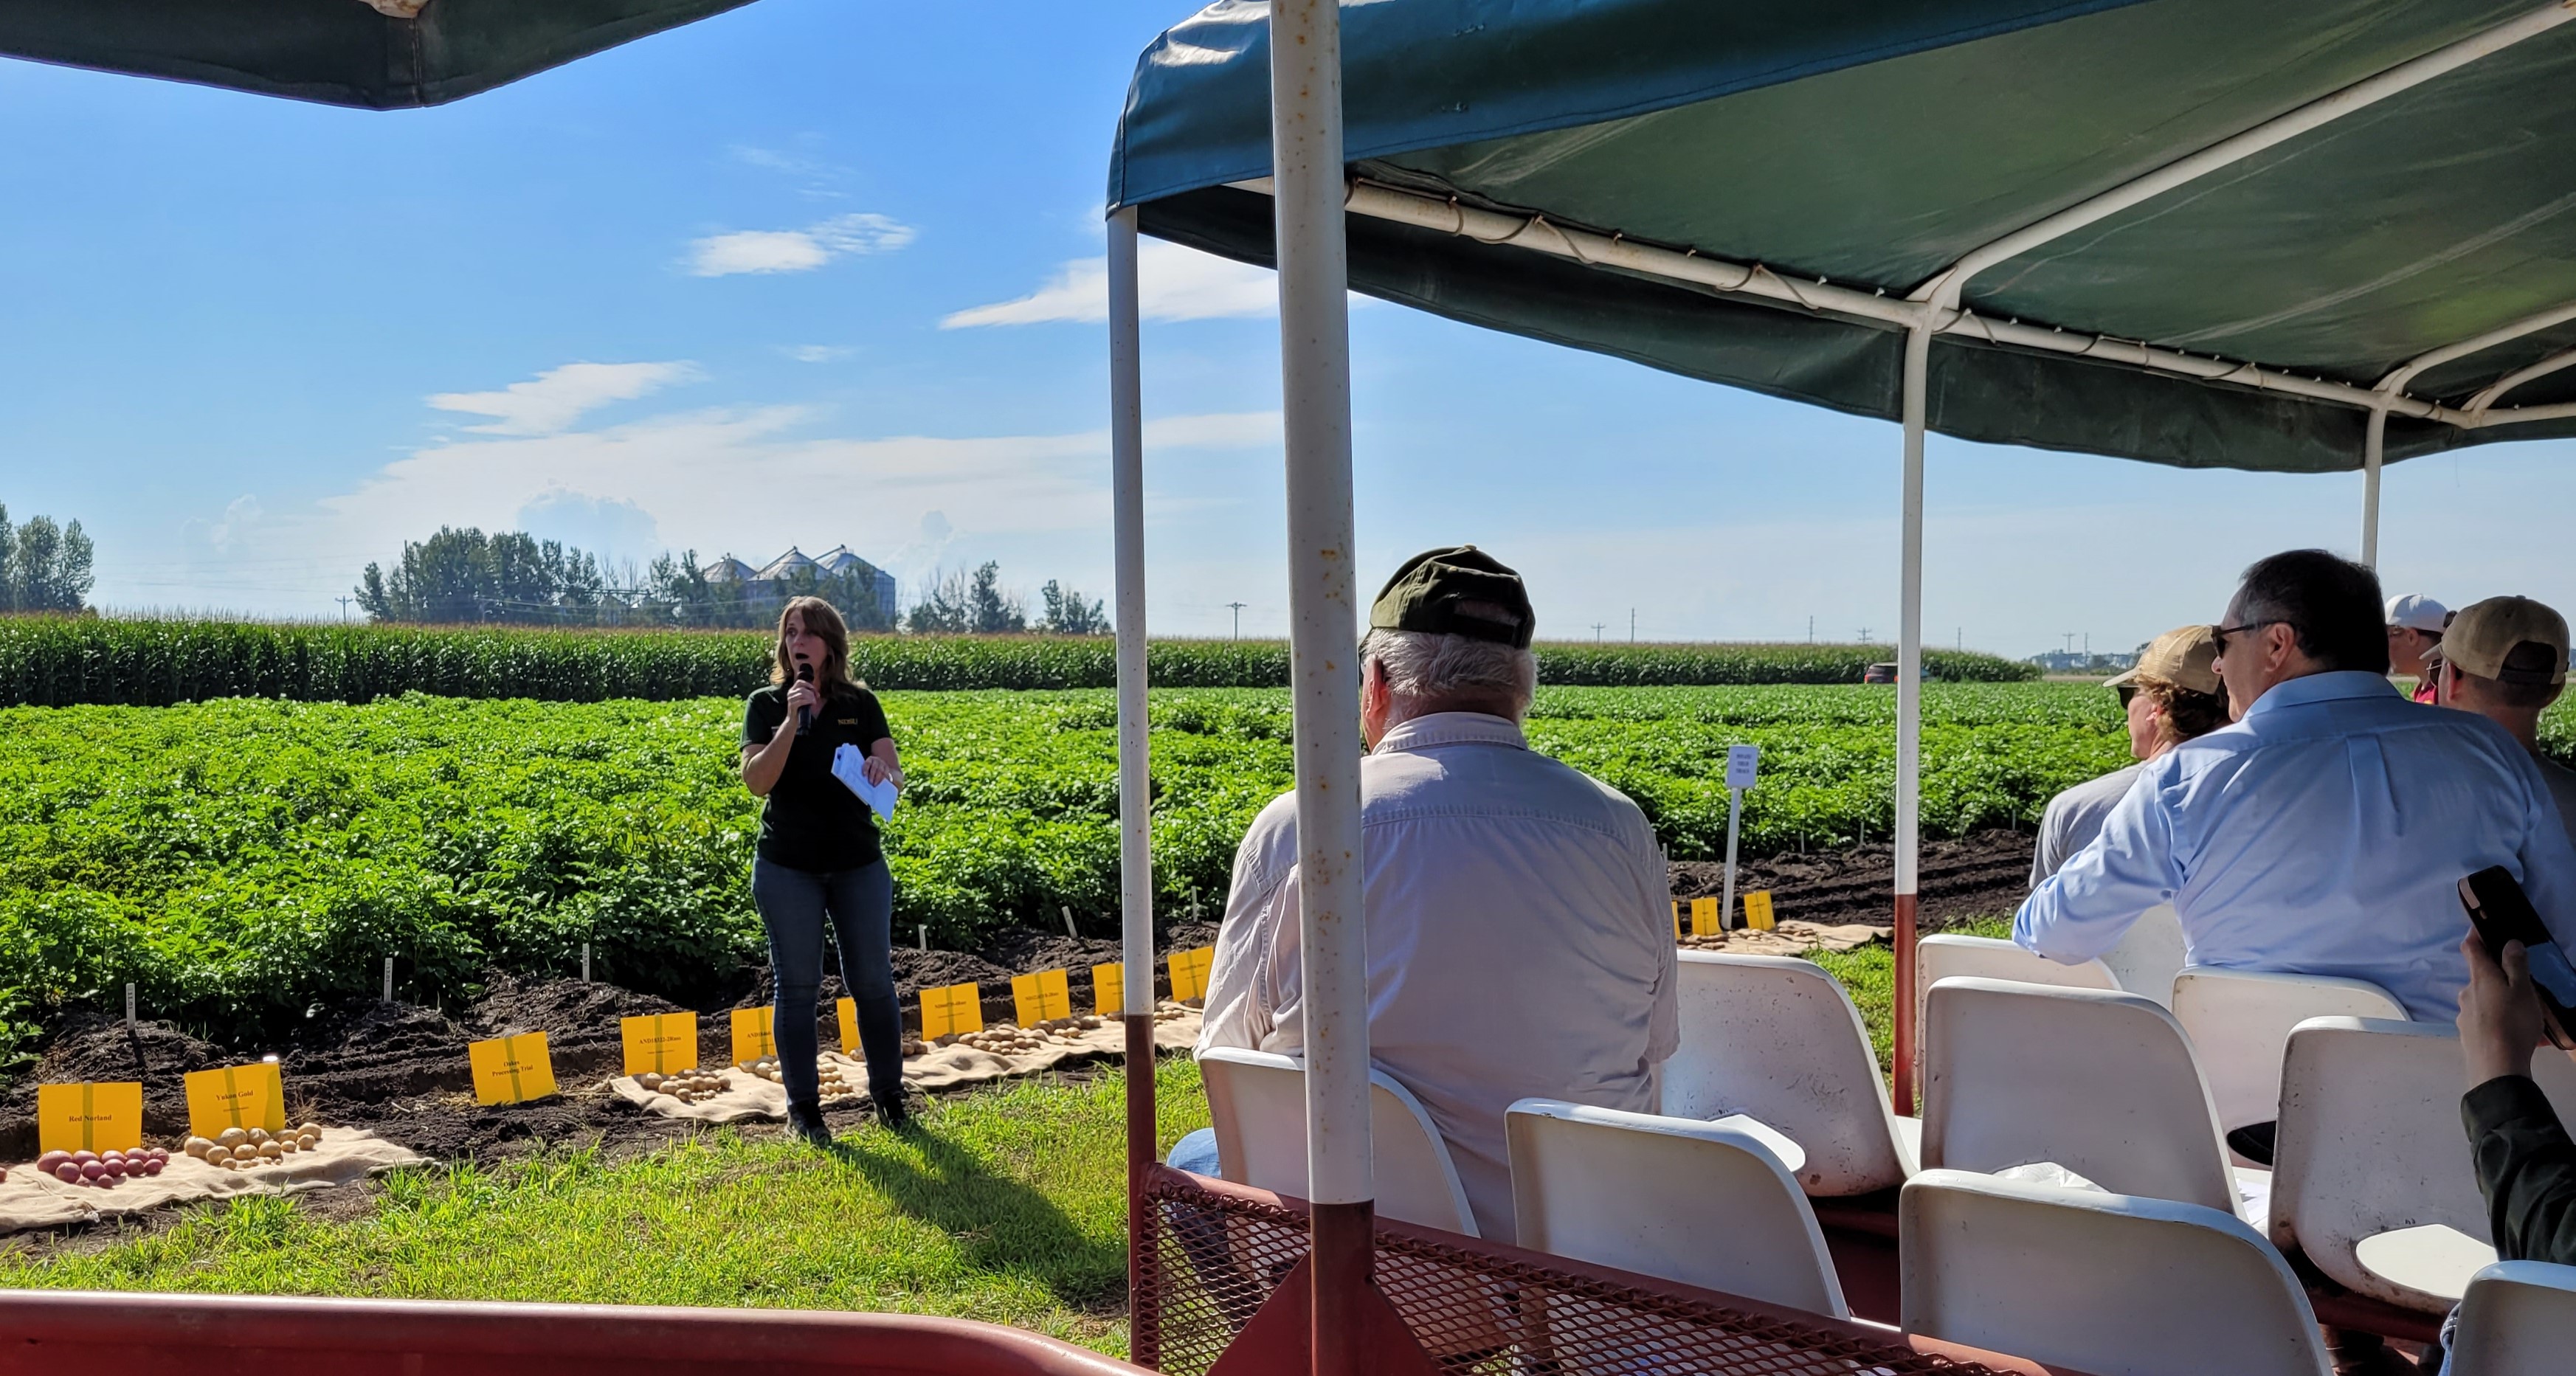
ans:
(2219, 634)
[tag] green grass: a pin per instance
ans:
(1869, 976)
(1009, 1206)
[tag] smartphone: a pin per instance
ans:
(2501, 913)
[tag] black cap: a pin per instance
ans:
(1428, 592)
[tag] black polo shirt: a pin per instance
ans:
(812, 821)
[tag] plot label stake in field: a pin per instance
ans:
(1041, 997)
(89, 1117)
(1677, 919)
(585, 962)
(848, 1008)
(1109, 988)
(951, 1008)
(236, 1096)
(1742, 762)
(1068, 924)
(925, 936)
(1190, 972)
(754, 1035)
(659, 1042)
(129, 1011)
(511, 1070)
(1707, 919)
(1757, 910)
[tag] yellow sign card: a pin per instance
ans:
(849, 1011)
(1190, 972)
(237, 1096)
(1109, 988)
(755, 1034)
(1757, 910)
(89, 1117)
(1677, 919)
(951, 1008)
(1041, 997)
(1704, 917)
(511, 1070)
(660, 1042)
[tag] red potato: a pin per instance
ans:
(153, 1166)
(52, 1159)
(68, 1172)
(93, 1170)
(83, 1158)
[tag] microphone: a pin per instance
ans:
(804, 715)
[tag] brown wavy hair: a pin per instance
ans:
(2187, 713)
(822, 620)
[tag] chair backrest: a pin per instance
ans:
(2519, 1319)
(2240, 1021)
(2097, 1081)
(2149, 954)
(1257, 1103)
(2370, 1143)
(1705, 1204)
(2114, 1285)
(1776, 1038)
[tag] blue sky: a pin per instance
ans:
(824, 271)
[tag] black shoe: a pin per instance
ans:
(806, 1121)
(892, 1115)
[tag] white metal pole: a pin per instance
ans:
(1909, 696)
(1734, 818)
(1135, 787)
(2371, 450)
(1323, 605)
(1127, 500)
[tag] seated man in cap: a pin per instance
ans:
(2171, 696)
(2506, 660)
(1519, 935)
(2415, 625)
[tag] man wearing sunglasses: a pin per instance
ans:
(2325, 832)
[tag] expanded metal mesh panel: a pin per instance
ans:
(1214, 1258)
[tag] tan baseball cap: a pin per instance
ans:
(2485, 637)
(2186, 657)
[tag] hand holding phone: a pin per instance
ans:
(2502, 913)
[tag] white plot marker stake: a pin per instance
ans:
(1068, 924)
(925, 936)
(129, 1010)
(389, 979)
(585, 962)
(1741, 763)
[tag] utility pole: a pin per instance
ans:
(344, 607)
(1237, 609)
(1596, 632)
(2070, 641)
(1864, 635)
(1811, 630)
(1962, 644)
(1632, 625)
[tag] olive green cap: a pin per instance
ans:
(1425, 595)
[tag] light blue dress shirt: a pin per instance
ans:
(2325, 834)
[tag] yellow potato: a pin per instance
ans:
(231, 1137)
(198, 1147)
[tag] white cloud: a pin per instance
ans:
(557, 397)
(796, 250)
(241, 514)
(817, 353)
(1172, 283)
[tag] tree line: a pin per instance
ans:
(460, 576)
(43, 567)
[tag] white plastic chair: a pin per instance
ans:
(2114, 1285)
(2372, 1177)
(1775, 1038)
(2240, 1020)
(2096, 1081)
(2150, 954)
(1257, 1104)
(2519, 1319)
(1707, 1204)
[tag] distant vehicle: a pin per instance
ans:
(1886, 673)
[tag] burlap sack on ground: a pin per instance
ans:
(29, 1200)
(747, 1096)
(1792, 938)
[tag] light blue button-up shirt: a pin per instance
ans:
(2325, 834)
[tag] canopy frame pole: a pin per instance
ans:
(2495, 391)
(1323, 620)
(1135, 779)
(2373, 444)
(1909, 699)
(1944, 289)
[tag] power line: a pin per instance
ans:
(1237, 608)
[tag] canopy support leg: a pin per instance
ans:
(2371, 451)
(1323, 631)
(1135, 796)
(1909, 701)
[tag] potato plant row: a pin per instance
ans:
(59, 662)
(246, 860)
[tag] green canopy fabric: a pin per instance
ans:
(362, 53)
(1873, 143)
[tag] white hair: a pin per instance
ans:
(1426, 670)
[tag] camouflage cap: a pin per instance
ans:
(1428, 592)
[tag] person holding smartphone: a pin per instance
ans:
(818, 861)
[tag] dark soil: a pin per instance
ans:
(1982, 874)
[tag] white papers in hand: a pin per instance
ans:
(850, 767)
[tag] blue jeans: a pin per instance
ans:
(859, 906)
(1196, 1154)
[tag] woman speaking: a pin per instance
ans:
(818, 857)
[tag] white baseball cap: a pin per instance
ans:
(2416, 612)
